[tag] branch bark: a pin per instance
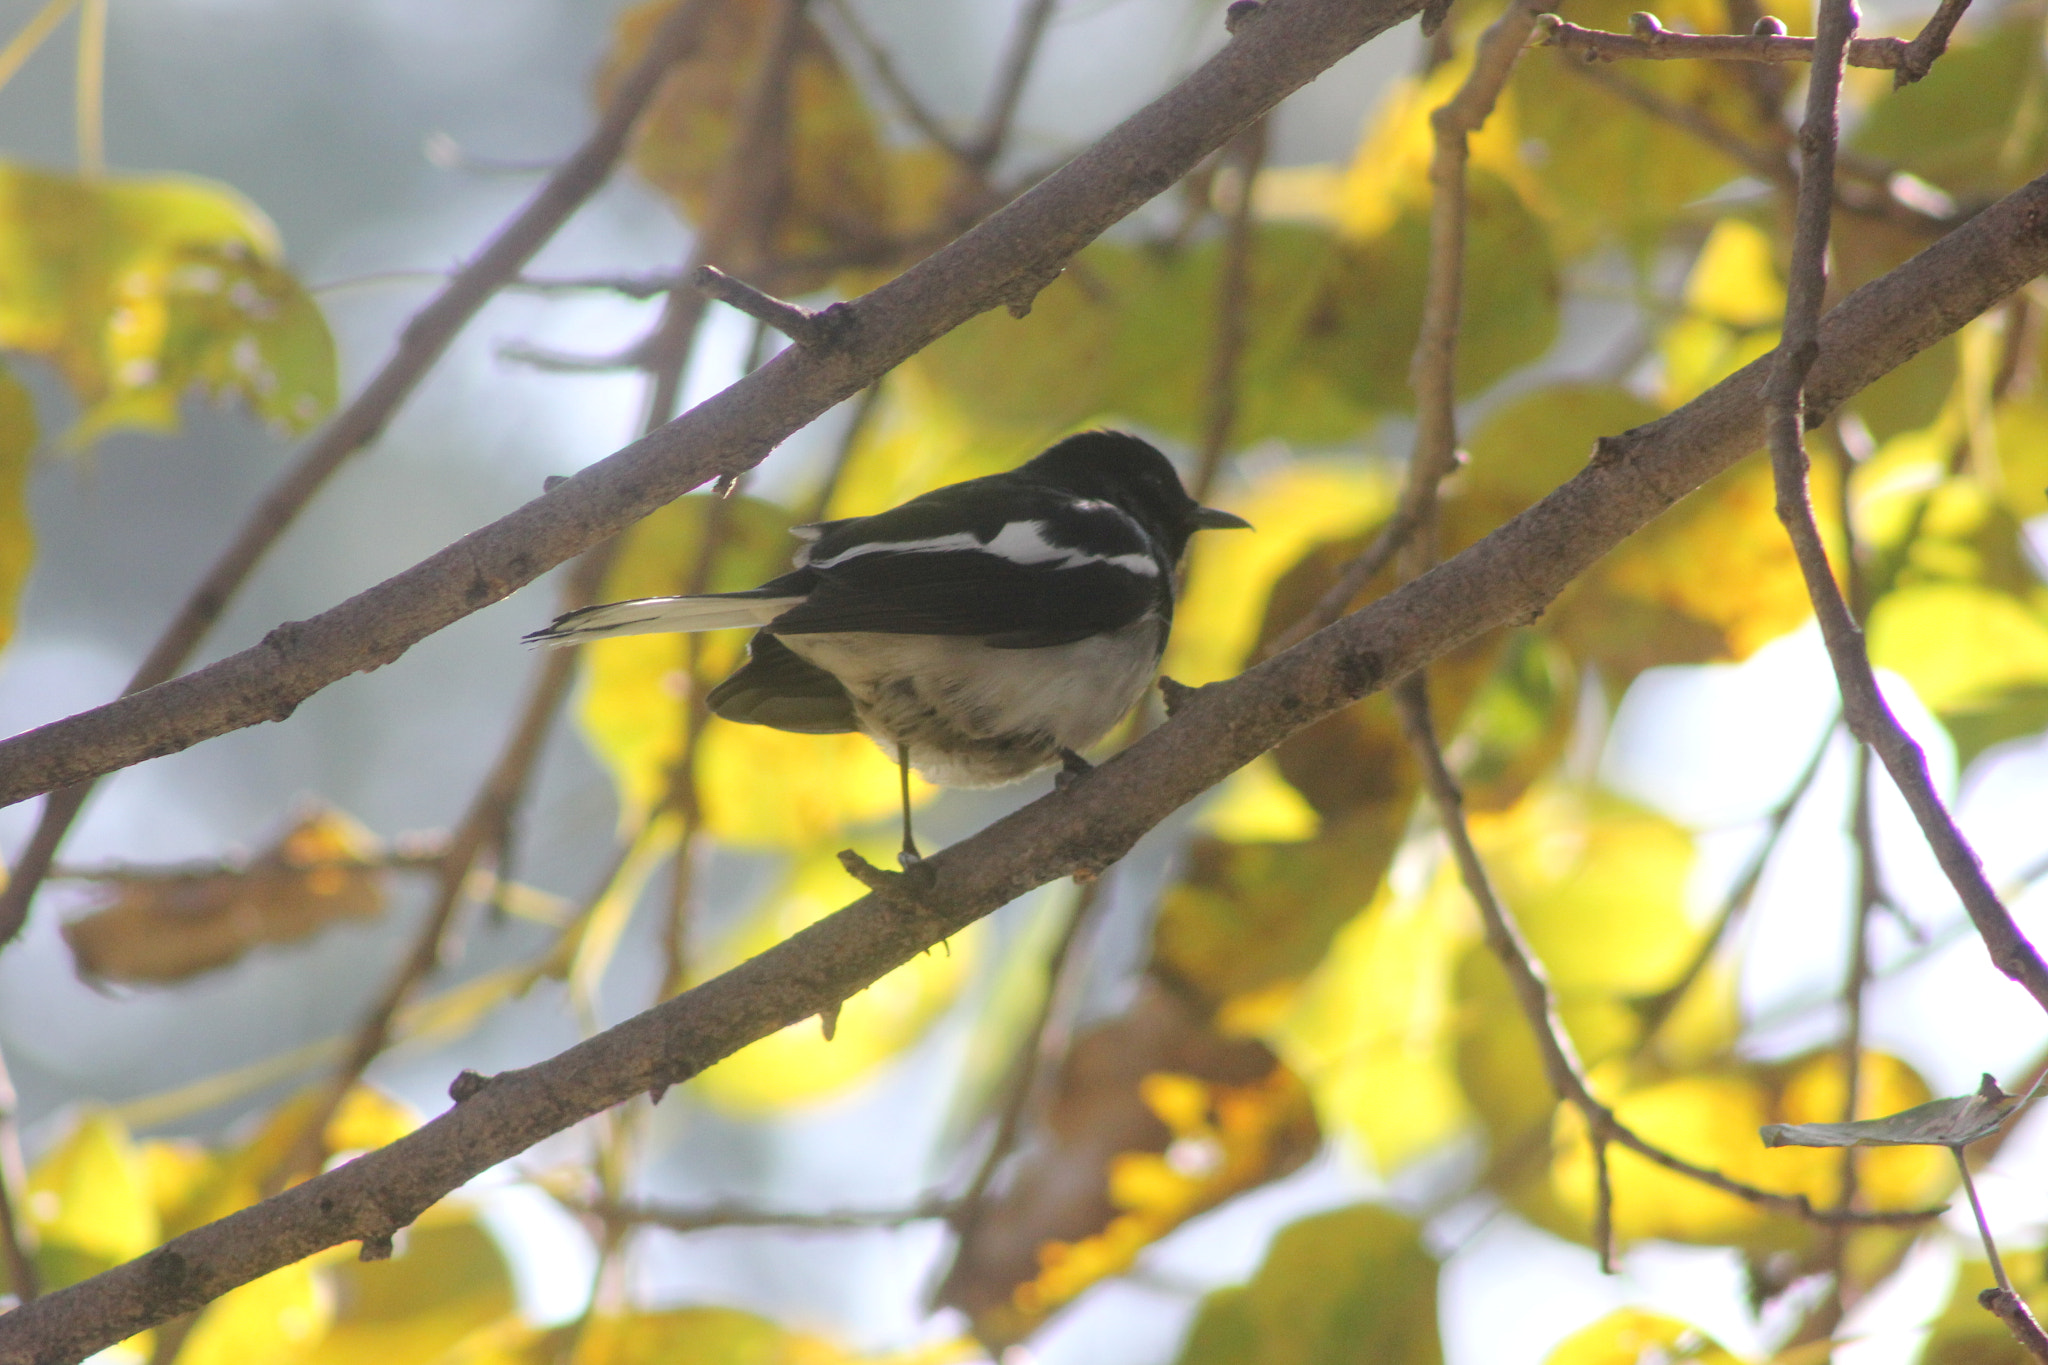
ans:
(1509, 576)
(1004, 259)
(420, 345)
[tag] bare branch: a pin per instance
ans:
(1532, 991)
(424, 339)
(913, 108)
(687, 1220)
(1233, 302)
(987, 145)
(1216, 730)
(17, 1233)
(1649, 40)
(1787, 414)
(817, 330)
(1432, 372)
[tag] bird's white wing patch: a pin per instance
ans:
(1020, 542)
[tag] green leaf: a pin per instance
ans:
(1127, 333)
(1974, 124)
(140, 290)
(1351, 1287)
(1972, 653)
(1954, 1122)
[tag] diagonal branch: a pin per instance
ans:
(421, 344)
(1788, 413)
(1004, 259)
(1510, 575)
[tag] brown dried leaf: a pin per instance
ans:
(174, 926)
(1154, 1119)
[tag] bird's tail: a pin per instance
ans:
(663, 615)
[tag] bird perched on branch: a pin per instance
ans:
(979, 633)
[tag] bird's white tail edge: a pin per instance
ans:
(661, 616)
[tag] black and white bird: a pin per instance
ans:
(979, 633)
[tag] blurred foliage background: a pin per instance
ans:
(1261, 1093)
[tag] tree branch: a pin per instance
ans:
(1532, 991)
(421, 344)
(1650, 41)
(1511, 575)
(1024, 244)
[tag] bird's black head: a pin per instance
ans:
(1119, 468)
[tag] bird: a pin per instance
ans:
(978, 633)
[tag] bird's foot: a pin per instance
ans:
(1073, 768)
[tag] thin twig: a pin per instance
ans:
(422, 343)
(1506, 576)
(2012, 1310)
(987, 144)
(1433, 371)
(1869, 719)
(1930, 42)
(725, 1215)
(1651, 41)
(17, 1232)
(90, 89)
(31, 36)
(1233, 306)
(1042, 1047)
(801, 325)
(1532, 992)
(1654, 1010)
(913, 108)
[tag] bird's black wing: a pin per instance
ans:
(777, 689)
(1020, 566)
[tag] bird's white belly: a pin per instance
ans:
(974, 716)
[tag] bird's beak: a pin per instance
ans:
(1216, 519)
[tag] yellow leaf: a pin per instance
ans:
(1226, 1139)
(89, 1198)
(1735, 278)
(1959, 644)
(834, 187)
(141, 289)
(1255, 805)
(1648, 603)
(1230, 577)
(1636, 1336)
(447, 1280)
(797, 1065)
(1372, 1030)
(277, 1318)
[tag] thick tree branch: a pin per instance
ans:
(1509, 576)
(1004, 259)
(420, 345)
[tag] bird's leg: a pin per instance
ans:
(909, 856)
(1073, 767)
